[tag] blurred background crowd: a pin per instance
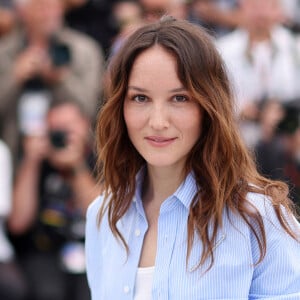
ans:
(52, 57)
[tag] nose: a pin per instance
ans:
(159, 117)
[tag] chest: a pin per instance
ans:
(174, 276)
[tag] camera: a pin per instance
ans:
(291, 120)
(58, 139)
(60, 54)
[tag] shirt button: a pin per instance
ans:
(137, 232)
(126, 289)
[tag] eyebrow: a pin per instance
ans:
(176, 90)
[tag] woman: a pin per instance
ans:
(184, 213)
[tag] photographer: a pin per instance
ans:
(278, 150)
(41, 60)
(54, 185)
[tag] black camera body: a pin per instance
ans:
(291, 120)
(58, 139)
(60, 53)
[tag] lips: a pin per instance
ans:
(159, 140)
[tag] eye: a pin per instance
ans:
(139, 98)
(180, 98)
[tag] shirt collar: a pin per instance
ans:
(185, 192)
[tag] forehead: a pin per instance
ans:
(64, 112)
(155, 53)
(154, 59)
(155, 70)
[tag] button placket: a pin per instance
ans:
(137, 232)
(126, 289)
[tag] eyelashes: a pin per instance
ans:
(141, 98)
(181, 98)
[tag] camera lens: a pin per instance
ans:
(58, 138)
(60, 54)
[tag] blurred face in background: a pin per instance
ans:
(260, 16)
(127, 13)
(68, 135)
(68, 118)
(155, 9)
(42, 17)
(155, 4)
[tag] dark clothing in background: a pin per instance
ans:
(56, 216)
(12, 282)
(275, 163)
(270, 159)
(6, 3)
(95, 19)
(47, 250)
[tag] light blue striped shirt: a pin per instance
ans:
(234, 275)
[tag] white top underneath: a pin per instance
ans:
(143, 283)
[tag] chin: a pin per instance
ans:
(163, 162)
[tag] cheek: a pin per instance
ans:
(191, 122)
(133, 119)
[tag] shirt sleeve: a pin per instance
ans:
(278, 275)
(93, 245)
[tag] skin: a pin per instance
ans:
(163, 123)
(41, 17)
(259, 17)
(7, 20)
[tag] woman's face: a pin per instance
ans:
(162, 119)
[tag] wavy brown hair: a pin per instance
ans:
(221, 163)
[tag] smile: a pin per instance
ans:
(158, 141)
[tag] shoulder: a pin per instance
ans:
(283, 39)
(280, 264)
(282, 32)
(234, 40)
(94, 208)
(260, 202)
(95, 226)
(265, 205)
(94, 229)
(11, 42)
(266, 208)
(4, 148)
(93, 241)
(273, 216)
(232, 48)
(263, 214)
(77, 39)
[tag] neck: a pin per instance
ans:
(259, 36)
(37, 36)
(160, 183)
(36, 39)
